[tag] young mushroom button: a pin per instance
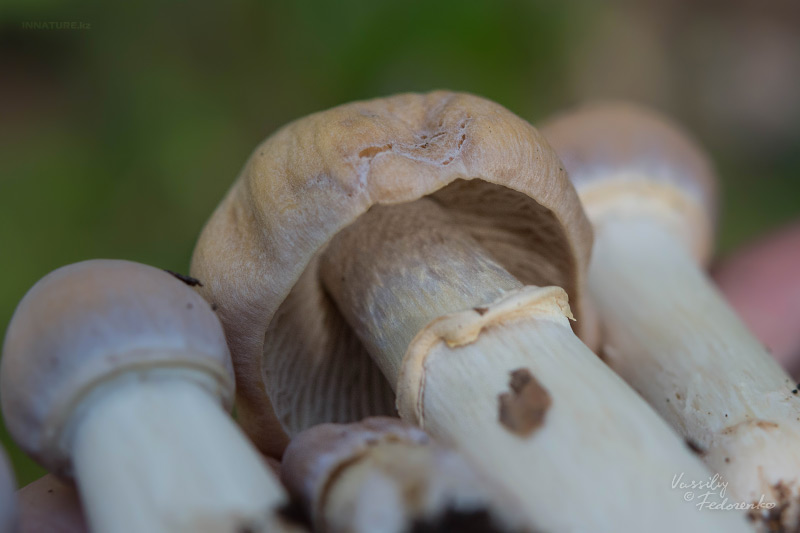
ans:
(114, 373)
(384, 475)
(650, 192)
(458, 290)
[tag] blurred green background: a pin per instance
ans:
(118, 140)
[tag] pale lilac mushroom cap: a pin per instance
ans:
(8, 497)
(87, 323)
(314, 455)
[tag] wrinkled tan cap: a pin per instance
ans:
(86, 323)
(297, 363)
(620, 155)
(8, 497)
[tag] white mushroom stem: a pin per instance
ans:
(671, 335)
(566, 435)
(156, 452)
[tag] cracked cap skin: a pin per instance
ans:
(297, 363)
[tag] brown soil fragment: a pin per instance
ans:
(761, 424)
(523, 410)
(776, 520)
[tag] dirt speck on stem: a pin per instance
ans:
(523, 410)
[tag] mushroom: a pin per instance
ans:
(457, 296)
(650, 193)
(8, 498)
(384, 475)
(50, 505)
(258, 256)
(116, 373)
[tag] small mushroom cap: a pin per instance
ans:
(297, 362)
(86, 323)
(603, 143)
(8, 497)
(316, 454)
(341, 471)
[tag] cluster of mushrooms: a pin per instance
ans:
(530, 302)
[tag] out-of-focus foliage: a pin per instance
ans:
(119, 140)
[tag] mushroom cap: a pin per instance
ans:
(297, 362)
(8, 497)
(607, 147)
(388, 463)
(89, 322)
(316, 454)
